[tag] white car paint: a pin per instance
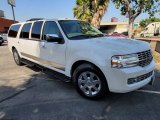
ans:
(95, 50)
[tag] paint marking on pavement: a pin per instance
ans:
(149, 91)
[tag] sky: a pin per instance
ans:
(27, 9)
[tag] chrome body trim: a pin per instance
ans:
(45, 62)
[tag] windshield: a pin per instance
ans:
(75, 29)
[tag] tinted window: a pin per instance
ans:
(25, 30)
(51, 27)
(75, 29)
(36, 30)
(13, 31)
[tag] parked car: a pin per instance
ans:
(95, 63)
(4, 36)
(120, 35)
(125, 33)
(1, 40)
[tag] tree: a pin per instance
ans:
(133, 8)
(145, 22)
(91, 10)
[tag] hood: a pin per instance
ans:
(118, 46)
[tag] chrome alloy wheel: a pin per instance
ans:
(89, 83)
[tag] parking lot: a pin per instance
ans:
(28, 93)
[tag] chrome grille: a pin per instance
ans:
(145, 58)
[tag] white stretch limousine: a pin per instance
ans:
(94, 62)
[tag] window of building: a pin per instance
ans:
(13, 31)
(36, 29)
(25, 30)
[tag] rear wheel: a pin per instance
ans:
(89, 81)
(17, 58)
(142, 35)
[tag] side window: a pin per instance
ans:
(13, 31)
(36, 30)
(25, 30)
(51, 27)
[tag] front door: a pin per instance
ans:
(52, 54)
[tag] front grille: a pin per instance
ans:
(139, 78)
(145, 58)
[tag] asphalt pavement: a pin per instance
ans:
(28, 93)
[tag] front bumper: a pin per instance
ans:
(118, 78)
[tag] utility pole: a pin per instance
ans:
(1, 13)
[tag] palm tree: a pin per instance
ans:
(91, 10)
(82, 10)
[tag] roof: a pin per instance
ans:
(114, 23)
(40, 19)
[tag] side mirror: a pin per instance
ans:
(54, 38)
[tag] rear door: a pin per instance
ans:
(13, 36)
(30, 40)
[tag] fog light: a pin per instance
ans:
(139, 78)
(132, 80)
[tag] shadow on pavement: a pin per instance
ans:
(44, 96)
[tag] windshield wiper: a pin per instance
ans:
(80, 36)
(97, 35)
(83, 36)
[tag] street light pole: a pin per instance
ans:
(12, 3)
(13, 13)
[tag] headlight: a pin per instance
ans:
(123, 61)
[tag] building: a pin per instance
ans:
(114, 19)
(111, 27)
(119, 27)
(5, 24)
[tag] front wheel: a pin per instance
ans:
(89, 81)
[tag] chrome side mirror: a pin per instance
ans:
(54, 38)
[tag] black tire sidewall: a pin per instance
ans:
(19, 59)
(142, 35)
(87, 67)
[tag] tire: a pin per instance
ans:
(142, 35)
(90, 81)
(16, 57)
(0, 43)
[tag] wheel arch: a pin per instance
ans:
(13, 48)
(80, 62)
